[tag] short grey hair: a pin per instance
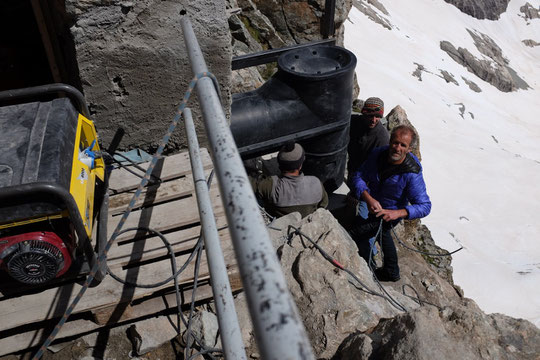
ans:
(405, 128)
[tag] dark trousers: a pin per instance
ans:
(364, 229)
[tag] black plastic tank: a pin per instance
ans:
(309, 101)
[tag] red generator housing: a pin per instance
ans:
(36, 257)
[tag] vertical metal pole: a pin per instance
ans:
(328, 27)
(278, 328)
(231, 336)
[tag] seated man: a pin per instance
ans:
(291, 191)
(391, 183)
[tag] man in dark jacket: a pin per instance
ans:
(292, 190)
(366, 133)
(391, 183)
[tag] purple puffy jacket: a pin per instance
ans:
(405, 189)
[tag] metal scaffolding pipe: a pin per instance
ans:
(231, 336)
(278, 328)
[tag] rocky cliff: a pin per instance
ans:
(349, 315)
(258, 25)
(493, 68)
(481, 9)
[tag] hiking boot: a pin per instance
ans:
(382, 275)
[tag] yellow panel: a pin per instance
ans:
(83, 179)
(31, 221)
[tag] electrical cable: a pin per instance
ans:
(196, 252)
(171, 253)
(337, 264)
(192, 304)
(378, 238)
(417, 299)
(144, 181)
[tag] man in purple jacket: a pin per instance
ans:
(390, 181)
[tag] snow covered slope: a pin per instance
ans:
(480, 150)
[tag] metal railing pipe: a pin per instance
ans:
(278, 328)
(231, 336)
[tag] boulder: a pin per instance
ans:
(397, 116)
(204, 326)
(451, 333)
(331, 302)
(149, 334)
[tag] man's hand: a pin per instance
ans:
(373, 205)
(390, 215)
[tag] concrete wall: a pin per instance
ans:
(134, 67)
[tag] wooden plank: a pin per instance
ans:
(166, 216)
(170, 167)
(180, 240)
(152, 306)
(169, 190)
(52, 302)
(141, 253)
(168, 301)
(146, 260)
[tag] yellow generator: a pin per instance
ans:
(53, 186)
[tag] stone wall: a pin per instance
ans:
(134, 67)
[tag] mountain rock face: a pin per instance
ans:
(349, 315)
(530, 12)
(133, 62)
(258, 25)
(530, 43)
(457, 332)
(422, 316)
(494, 68)
(371, 9)
(472, 85)
(481, 9)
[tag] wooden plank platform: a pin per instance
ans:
(170, 207)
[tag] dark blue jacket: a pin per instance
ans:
(404, 190)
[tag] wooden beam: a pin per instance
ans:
(52, 55)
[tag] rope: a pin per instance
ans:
(378, 237)
(144, 181)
